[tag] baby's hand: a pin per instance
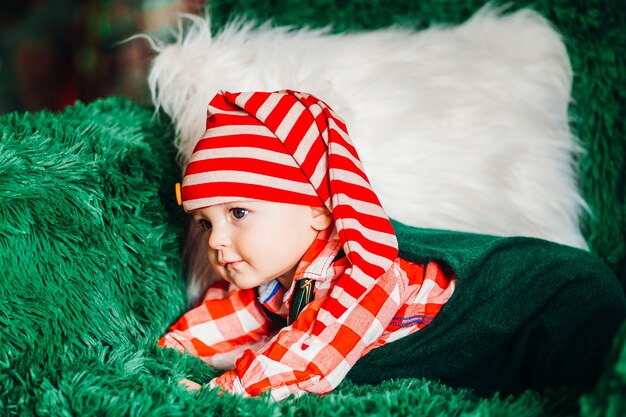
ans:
(190, 385)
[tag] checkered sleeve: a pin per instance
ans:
(297, 361)
(228, 321)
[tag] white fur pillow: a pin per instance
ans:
(462, 128)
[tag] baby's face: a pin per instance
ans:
(253, 242)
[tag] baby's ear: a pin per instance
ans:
(320, 218)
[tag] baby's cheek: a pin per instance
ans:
(212, 255)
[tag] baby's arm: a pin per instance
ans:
(228, 321)
(296, 361)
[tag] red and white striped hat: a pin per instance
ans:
(290, 147)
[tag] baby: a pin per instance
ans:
(312, 280)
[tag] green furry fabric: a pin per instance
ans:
(83, 205)
(90, 242)
(88, 248)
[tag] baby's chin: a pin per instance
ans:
(243, 283)
(240, 279)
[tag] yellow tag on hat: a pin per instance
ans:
(179, 195)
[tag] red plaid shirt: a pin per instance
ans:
(232, 322)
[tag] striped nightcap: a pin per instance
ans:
(290, 147)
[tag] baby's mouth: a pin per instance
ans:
(230, 264)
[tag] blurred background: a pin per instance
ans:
(54, 52)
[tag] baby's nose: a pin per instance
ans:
(218, 238)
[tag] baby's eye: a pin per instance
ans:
(205, 224)
(238, 213)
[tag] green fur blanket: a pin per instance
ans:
(90, 242)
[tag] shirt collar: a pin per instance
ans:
(320, 255)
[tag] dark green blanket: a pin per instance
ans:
(526, 313)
